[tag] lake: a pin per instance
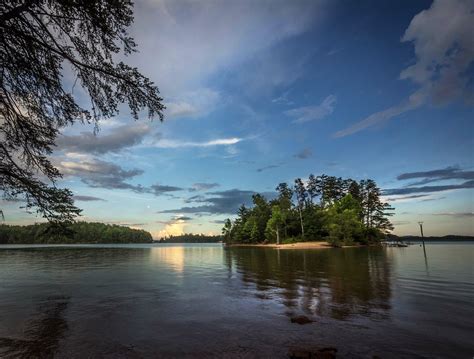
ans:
(178, 301)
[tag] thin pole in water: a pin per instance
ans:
(422, 237)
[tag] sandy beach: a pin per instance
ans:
(298, 245)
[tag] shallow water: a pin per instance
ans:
(139, 301)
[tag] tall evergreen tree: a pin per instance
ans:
(301, 195)
(285, 195)
(375, 211)
(227, 230)
(262, 212)
(313, 187)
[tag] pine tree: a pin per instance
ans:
(301, 196)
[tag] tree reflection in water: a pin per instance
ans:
(336, 283)
(42, 334)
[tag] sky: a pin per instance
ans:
(263, 92)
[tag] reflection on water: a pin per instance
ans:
(173, 256)
(181, 301)
(335, 283)
(42, 333)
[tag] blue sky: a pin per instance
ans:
(259, 93)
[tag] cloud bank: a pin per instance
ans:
(219, 202)
(453, 173)
(117, 139)
(444, 54)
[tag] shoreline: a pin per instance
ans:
(297, 245)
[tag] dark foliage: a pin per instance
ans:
(192, 238)
(79, 232)
(326, 208)
(40, 41)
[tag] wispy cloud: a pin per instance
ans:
(448, 173)
(313, 113)
(455, 214)
(400, 223)
(442, 62)
(87, 198)
(182, 218)
(192, 104)
(218, 221)
(201, 186)
(283, 99)
(219, 202)
(432, 199)
(167, 34)
(428, 189)
(418, 190)
(168, 143)
(305, 153)
(158, 189)
(382, 116)
(269, 167)
(406, 198)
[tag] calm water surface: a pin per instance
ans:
(140, 301)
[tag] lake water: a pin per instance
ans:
(178, 301)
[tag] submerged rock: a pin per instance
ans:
(301, 319)
(315, 353)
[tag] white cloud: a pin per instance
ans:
(173, 228)
(192, 104)
(188, 41)
(283, 99)
(165, 143)
(414, 101)
(444, 49)
(455, 214)
(313, 113)
(115, 140)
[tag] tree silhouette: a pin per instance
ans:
(39, 41)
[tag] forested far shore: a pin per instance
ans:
(191, 238)
(323, 208)
(78, 232)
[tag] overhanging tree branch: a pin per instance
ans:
(36, 37)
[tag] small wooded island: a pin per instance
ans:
(323, 208)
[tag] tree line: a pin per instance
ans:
(191, 238)
(78, 232)
(323, 208)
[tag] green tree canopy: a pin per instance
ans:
(340, 211)
(274, 225)
(78, 232)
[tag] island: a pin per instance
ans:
(325, 209)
